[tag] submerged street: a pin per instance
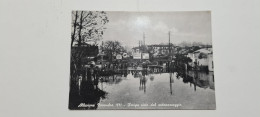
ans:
(157, 88)
(139, 89)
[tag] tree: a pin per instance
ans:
(88, 26)
(181, 59)
(112, 48)
(151, 52)
(144, 48)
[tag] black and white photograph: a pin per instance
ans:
(141, 60)
(129, 58)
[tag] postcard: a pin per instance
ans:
(141, 61)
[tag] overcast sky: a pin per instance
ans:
(128, 27)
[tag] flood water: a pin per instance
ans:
(136, 89)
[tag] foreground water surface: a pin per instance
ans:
(134, 90)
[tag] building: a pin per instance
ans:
(136, 53)
(210, 62)
(161, 49)
(139, 53)
(203, 57)
(136, 50)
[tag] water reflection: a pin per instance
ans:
(171, 82)
(143, 80)
(95, 86)
(88, 94)
(84, 91)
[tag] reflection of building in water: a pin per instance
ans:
(199, 79)
(114, 79)
(137, 74)
(211, 81)
(156, 69)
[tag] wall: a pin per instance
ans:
(35, 77)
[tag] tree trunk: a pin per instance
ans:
(75, 27)
(80, 27)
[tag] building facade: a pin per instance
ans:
(202, 57)
(161, 49)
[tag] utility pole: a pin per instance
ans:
(102, 51)
(144, 38)
(169, 42)
(170, 56)
(139, 43)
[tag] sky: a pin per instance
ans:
(129, 27)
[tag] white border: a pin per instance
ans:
(34, 49)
